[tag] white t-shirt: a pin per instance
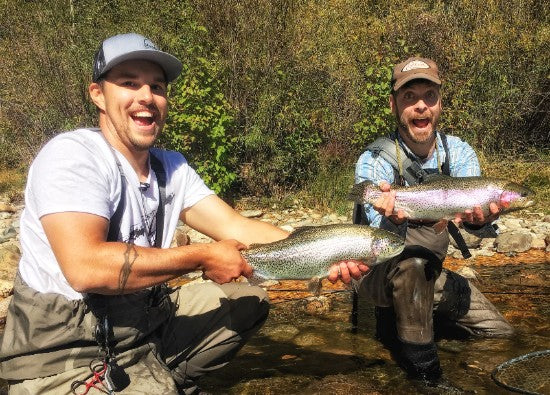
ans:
(77, 171)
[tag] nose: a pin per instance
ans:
(144, 94)
(421, 106)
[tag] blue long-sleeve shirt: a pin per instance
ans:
(463, 162)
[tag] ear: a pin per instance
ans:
(96, 95)
(393, 106)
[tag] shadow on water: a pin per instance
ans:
(300, 353)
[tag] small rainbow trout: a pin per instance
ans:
(308, 252)
(441, 197)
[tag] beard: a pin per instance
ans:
(418, 138)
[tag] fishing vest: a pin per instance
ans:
(410, 169)
(47, 334)
(407, 167)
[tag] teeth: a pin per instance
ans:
(143, 114)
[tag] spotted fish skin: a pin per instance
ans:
(441, 197)
(310, 251)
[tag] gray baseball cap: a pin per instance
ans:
(131, 46)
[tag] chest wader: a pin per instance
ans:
(410, 291)
(47, 334)
(405, 326)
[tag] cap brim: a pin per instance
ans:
(416, 76)
(170, 64)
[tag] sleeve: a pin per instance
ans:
(186, 184)
(463, 161)
(375, 169)
(67, 175)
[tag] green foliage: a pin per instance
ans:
(378, 119)
(275, 95)
(200, 121)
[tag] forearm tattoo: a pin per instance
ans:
(130, 256)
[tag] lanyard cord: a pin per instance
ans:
(400, 163)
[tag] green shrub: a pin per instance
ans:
(200, 121)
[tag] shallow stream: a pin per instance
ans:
(300, 351)
(308, 347)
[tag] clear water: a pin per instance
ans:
(299, 353)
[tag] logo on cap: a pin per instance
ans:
(415, 64)
(149, 44)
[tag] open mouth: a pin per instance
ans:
(421, 122)
(143, 118)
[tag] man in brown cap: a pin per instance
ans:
(410, 293)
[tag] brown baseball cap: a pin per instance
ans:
(414, 69)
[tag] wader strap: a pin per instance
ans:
(460, 242)
(157, 167)
(115, 220)
(103, 330)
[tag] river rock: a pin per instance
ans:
(316, 305)
(9, 260)
(8, 234)
(308, 339)
(4, 303)
(6, 288)
(181, 237)
(468, 272)
(282, 333)
(513, 242)
(252, 213)
(472, 241)
(7, 208)
(538, 243)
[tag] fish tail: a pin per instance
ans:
(364, 192)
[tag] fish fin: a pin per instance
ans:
(440, 226)
(314, 286)
(300, 230)
(358, 191)
(260, 281)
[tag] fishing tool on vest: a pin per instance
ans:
(525, 374)
(98, 369)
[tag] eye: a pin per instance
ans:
(128, 83)
(158, 88)
(409, 96)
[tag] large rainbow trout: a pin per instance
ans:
(308, 252)
(441, 197)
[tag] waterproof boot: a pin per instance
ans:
(420, 361)
(386, 329)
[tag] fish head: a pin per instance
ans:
(387, 247)
(516, 197)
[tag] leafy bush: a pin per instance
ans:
(276, 94)
(200, 121)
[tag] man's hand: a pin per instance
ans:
(346, 270)
(476, 216)
(224, 261)
(385, 204)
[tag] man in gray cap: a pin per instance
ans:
(405, 293)
(90, 310)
